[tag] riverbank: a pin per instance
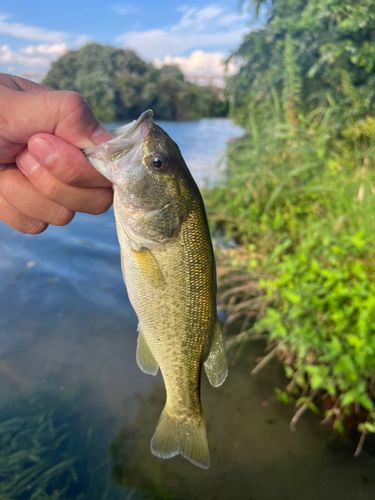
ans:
(301, 208)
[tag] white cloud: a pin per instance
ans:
(5, 54)
(56, 49)
(19, 30)
(157, 43)
(197, 28)
(33, 56)
(230, 19)
(124, 10)
(197, 18)
(198, 63)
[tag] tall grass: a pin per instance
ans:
(299, 200)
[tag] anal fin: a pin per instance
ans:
(216, 364)
(145, 359)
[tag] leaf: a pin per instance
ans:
(354, 340)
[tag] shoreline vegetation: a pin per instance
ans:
(299, 201)
(120, 86)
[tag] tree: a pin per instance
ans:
(333, 44)
(62, 75)
(119, 85)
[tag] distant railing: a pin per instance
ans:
(214, 81)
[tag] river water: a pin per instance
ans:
(77, 414)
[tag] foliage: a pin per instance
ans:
(299, 201)
(323, 319)
(119, 85)
(334, 48)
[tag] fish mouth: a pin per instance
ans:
(107, 157)
(124, 132)
(125, 137)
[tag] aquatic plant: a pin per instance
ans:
(46, 452)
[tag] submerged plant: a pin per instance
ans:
(46, 452)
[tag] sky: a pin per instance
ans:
(197, 35)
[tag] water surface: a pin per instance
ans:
(67, 358)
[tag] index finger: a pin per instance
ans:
(65, 161)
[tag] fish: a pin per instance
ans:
(168, 266)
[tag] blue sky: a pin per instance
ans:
(196, 35)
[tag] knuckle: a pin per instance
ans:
(8, 183)
(72, 175)
(76, 115)
(72, 101)
(75, 120)
(63, 217)
(3, 206)
(103, 203)
(33, 227)
(50, 188)
(74, 107)
(18, 221)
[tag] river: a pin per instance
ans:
(77, 414)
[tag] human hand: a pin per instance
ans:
(42, 132)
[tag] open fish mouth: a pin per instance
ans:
(104, 157)
(124, 136)
(141, 124)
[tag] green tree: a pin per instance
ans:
(333, 43)
(119, 85)
(62, 75)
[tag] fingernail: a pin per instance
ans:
(100, 135)
(43, 150)
(26, 162)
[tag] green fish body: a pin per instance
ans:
(169, 271)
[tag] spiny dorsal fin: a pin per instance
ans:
(145, 359)
(216, 364)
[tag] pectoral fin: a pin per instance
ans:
(145, 359)
(216, 364)
(148, 267)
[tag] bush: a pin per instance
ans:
(323, 320)
(299, 201)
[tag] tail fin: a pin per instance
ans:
(173, 437)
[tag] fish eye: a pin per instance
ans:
(159, 162)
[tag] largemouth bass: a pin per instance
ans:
(169, 271)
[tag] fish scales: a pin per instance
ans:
(185, 326)
(169, 271)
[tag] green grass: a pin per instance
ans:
(300, 204)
